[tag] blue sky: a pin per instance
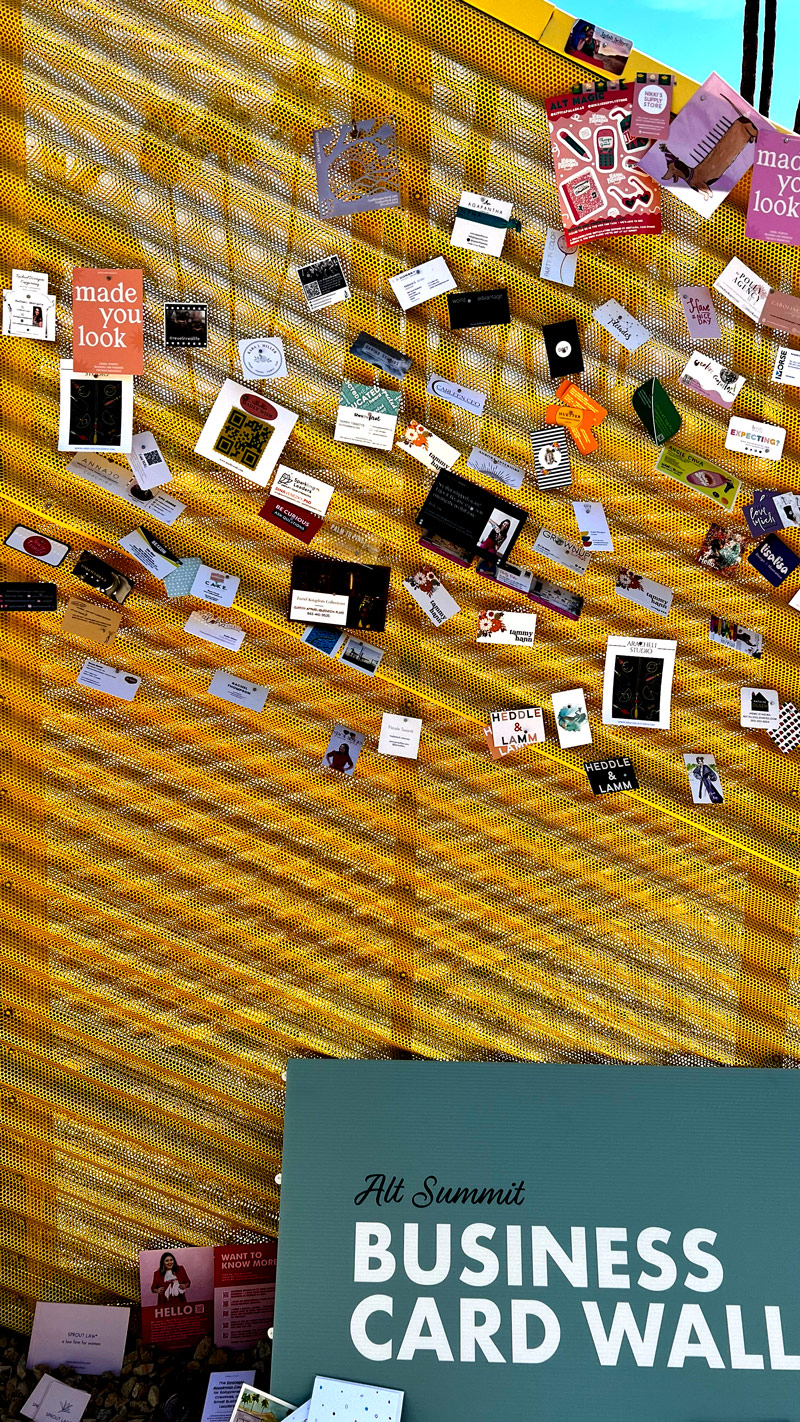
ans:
(696, 36)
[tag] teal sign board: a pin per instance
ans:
(533, 1243)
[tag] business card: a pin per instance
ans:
(522, 726)
(343, 750)
(643, 591)
(507, 629)
(100, 576)
(91, 621)
(711, 380)
(469, 309)
(104, 474)
(506, 574)
(150, 552)
(735, 638)
(37, 545)
(179, 583)
(428, 448)
(481, 224)
(759, 708)
(429, 593)
(485, 463)
(774, 560)
(212, 629)
(700, 475)
(98, 676)
(238, 691)
(324, 639)
(755, 438)
(471, 517)
(558, 262)
(399, 736)
(297, 503)
(555, 599)
(704, 781)
(781, 312)
(323, 283)
(386, 358)
(572, 719)
(338, 594)
(212, 585)
(422, 283)
(367, 416)
(568, 555)
(651, 106)
(149, 466)
(743, 288)
(262, 357)
(699, 312)
(563, 348)
(185, 325)
(593, 526)
(245, 433)
(608, 777)
(458, 395)
(786, 370)
(621, 325)
(30, 315)
(551, 458)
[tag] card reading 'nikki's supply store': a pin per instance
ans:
(338, 594)
(470, 516)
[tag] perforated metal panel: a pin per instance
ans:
(189, 898)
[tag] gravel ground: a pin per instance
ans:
(154, 1386)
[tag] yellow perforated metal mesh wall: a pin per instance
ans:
(189, 899)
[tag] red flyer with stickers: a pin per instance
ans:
(601, 191)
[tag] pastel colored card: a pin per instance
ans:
(179, 583)
(507, 629)
(238, 691)
(428, 448)
(521, 726)
(699, 313)
(343, 750)
(652, 102)
(212, 629)
(86, 1338)
(735, 638)
(245, 433)
(782, 312)
(107, 310)
(711, 380)
(637, 682)
(643, 591)
(104, 474)
(568, 555)
(422, 283)
(704, 781)
(759, 708)
(481, 224)
(572, 719)
(113, 681)
(558, 262)
(358, 168)
(399, 736)
(593, 526)
(483, 462)
(149, 466)
(56, 1401)
(743, 288)
(324, 283)
(755, 438)
(458, 395)
(700, 475)
(333, 1397)
(95, 411)
(367, 415)
(621, 325)
(429, 593)
(773, 210)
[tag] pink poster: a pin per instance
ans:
(177, 1292)
(244, 1292)
(773, 212)
(601, 190)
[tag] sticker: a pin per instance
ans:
(555, 598)
(91, 621)
(602, 190)
(773, 212)
(367, 416)
(523, 726)
(637, 682)
(150, 552)
(774, 560)
(621, 325)
(297, 503)
(609, 777)
(558, 262)
(422, 283)
(323, 282)
(212, 629)
(242, 693)
(786, 370)
(752, 437)
(95, 411)
(572, 720)
(399, 736)
(551, 458)
(149, 466)
(743, 288)
(698, 310)
(593, 527)
(324, 639)
(361, 656)
(652, 103)
(262, 357)
(37, 545)
(722, 548)
(392, 362)
(700, 475)
(704, 781)
(358, 168)
(344, 748)
(787, 736)
(712, 380)
(598, 48)
(428, 448)
(185, 325)
(245, 433)
(481, 224)
(338, 594)
(568, 555)
(107, 321)
(114, 682)
(104, 474)
(471, 309)
(507, 629)
(102, 577)
(431, 595)
(458, 395)
(759, 708)
(644, 592)
(485, 463)
(735, 638)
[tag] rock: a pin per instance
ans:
(152, 1396)
(142, 1369)
(203, 1348)
(128, 1386)
(218, 1356)
(21, 1369)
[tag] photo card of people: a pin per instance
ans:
(28, 308)
(637, 682)
(471, 517)
(343, 750)
(245, 433)
(337, 594)
(95, 412)
(177, 1295)
(704, 780)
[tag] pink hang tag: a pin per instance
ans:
(652, 103)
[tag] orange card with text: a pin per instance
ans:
(107, 321)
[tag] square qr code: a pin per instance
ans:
(243, 439)
(151, 456)
(312, 288)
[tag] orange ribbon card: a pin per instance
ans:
(578, 414)
(107, 321)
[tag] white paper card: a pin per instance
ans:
(485, 463)
(459, 395)
(211, 585)
(429, 593)
(147, 462)
(752, 437)
(742, 287)
(212, 629)
(262, 358)
(61, 1403)
(593, 527)
(472, 232)
(353, 1400)
(786, 370)
(104, 474)
(140, 545)
(29, 283)
(245, 433)
(427, 447)
(568, 555)
(419, 284)
(89, 1338)
(367, 416)
(506, 629)
(33, 1401)
(643, 591)
(521, 726)
(113, 681)
(572, 719)
(558, 263)
(637, 683)
(242, 693)
(621, 325)
(759, 708)
(221, 1394)
(302, 490)
(399, 736)
(32, 316)
(329, 609)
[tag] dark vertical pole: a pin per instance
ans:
(750, 49)
(767, 55)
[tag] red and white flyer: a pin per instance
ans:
(244, 1292)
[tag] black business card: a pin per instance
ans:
(470, 517)
(328, 593)
(563, 346)
(28, 597)
(608, 777)
(478, 308)
(386, 358)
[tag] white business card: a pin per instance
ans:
(558, 262)
(481, 224)
(422, 444)
(521, 726)
(302, 490)
(572, 718)
(621, 325)
(327, 608)
(114, 682)
(786, 370)
(37, 545)
(147, 462)
(367, 416)
(759, 708)
(104, 474)
(558, 550)
(212, 585)
(242, 693)
(643, 591)
(752, 437)
(593, 526)
(421, 283)
(29, 283)
(399, 736)
(148, 551)
(508, 629)
(429, 593)
(743, 288)
(485, 463)
(212, 629)
(459, 395)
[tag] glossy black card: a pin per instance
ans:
(471, 517)
(28, 597)
(478, 308)
(563, 346)
(329, 593)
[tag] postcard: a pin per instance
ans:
(609, 777)
(91, 621)
(568, 555)
(555, 598)
(344, 748)
(593, 526)
(150, 552)
(772, 210)
(87, 1338)
(472, 517)
(735, 638)
(367, 415)
(710, 379)
(637, 682)
(558, 262)
(704, 781)
(213, 629)
(147, 462)
(755, 438)
(358, 169)
(458, 395)
(722, 548)
(107, 321)
(759, 708)
(323, 282)
(698, 309)
(297, 503)
(97, 574)
(774, 560)
(700, 475)
(600, 49)
(244, 1293)
(113, 681)
(253, 1405)
(361, 656)
(245, 433)
(643, 591)
(572, 720)
(470, 309)
(338, 594)
(262, 357)
(431, 595)
(95, 411)
(333, 1396)
(481, 224)
(551, 458)
(222, 1392)
(422, 283)
(743, 288)
(185, 326)
(621, 325)
(508, 629)
(485, 463)
(523, 726)
(386, 358)
(104, 474)
(399, 736)
(428, 448)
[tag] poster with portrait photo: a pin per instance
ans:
(637, 682)
(498, 534)
(177, 1295)
(185, 325)
(472, 518)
